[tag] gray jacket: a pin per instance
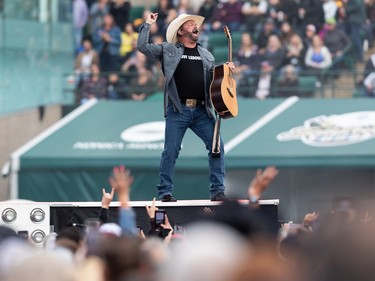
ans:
(169, 55)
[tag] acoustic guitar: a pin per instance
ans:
(223, 95)
(223, 86)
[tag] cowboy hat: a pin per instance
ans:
(176, 24)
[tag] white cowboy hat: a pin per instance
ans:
(176, 24)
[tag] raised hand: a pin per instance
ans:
(121, 181)
(309, 219)
(151, 18)
(151, 209)
(261, 181)
(107, 198)
(167, 225)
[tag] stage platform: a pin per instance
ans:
(64, 214)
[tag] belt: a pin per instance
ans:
(191, 102)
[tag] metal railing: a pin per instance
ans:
(326, 84)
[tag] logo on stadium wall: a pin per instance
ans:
(145, 132)
(334, 130)
(145, 136)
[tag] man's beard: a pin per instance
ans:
(194, 35)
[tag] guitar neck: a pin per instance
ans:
(227, 33)
(229, 49)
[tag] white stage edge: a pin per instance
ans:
(179, 203)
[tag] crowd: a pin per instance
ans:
(281, 41)
(233, 242)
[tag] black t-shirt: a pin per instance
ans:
(189, 75)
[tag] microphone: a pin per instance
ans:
(196, 31)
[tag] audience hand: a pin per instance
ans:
(309, 219)
(167, 225)
(107, 198)
(151, 209)
(121, 181)
(261, 181)
(366, 218)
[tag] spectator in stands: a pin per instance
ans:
(247, 57)
(291, 11)
(288, 84)
(97, 12)
(335, 39)
(80, 18)
(274, 53)
(265, 81)
(247, 61)
(137, 63)
(355, 18)
(281, 11)
(337, 42)
(369, 84)
(340, 14)
(370, 22)
(276, 13)
(309, 33)
(184, 7)
(95, 87)
(295, 53)
(207, 10)
(254, 12)
(84, 61)
(267, 30)
(330, 9)
(369, 66)
(129, 39)
(286, 32)
(116, 89)
(166, 13)
(107, 42)
(311, 12)
(120, 10)
(318, 57)
(141, 86)
(229, 14)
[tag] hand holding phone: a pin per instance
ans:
(159, 218)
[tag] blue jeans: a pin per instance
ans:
(202, 125)
(356, 32)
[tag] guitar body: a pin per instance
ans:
(223, 86)
(223, 92)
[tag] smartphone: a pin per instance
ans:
(23, 234)
(159, 217)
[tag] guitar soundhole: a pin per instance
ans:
(229, 92)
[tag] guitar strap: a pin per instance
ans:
(216, 139)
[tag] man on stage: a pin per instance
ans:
(187, 68)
